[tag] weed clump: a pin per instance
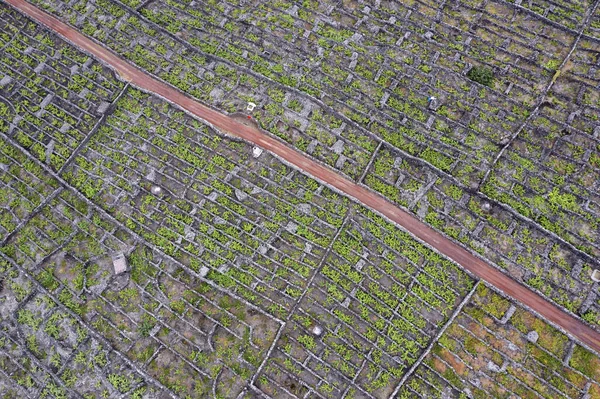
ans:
(481, 74)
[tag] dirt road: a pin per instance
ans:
(470, 262)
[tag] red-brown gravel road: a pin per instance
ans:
(470, 262)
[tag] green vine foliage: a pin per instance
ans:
(482, 75)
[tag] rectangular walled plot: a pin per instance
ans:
(217, 83)
(46, 351)
(382, 68)
(64, 236)
(400, 179)
(99, 370)
(550, 174)
(252, 225)
(53, 353)
(593, 28)
(522, 249)
(23, 186)
(32, 359)
(496, 349)
(352, 66)
(51, 94)
(378, 301)
(67, 248)
(357, 99)
(281, 112)
(17, 376)
(548, 177)
(185, 333)
(570, 15)
(188, 335)
(385, 93)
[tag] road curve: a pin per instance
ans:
(475, 265)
